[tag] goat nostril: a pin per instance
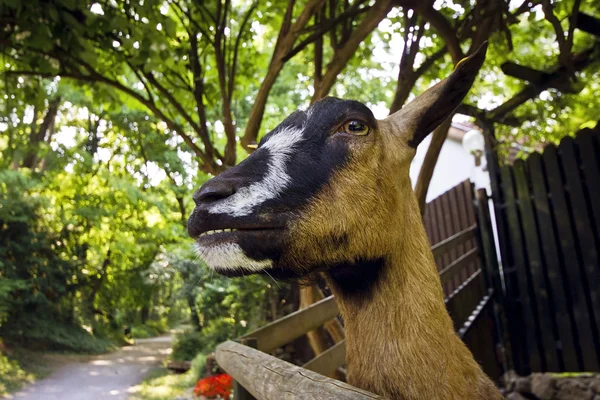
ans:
(213, 191)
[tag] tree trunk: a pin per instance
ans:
(403, 88)
(433, 152)
(97, 284)
(191, 300)
(35, 138)
(144, 314)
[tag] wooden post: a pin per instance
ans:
(240, 392)
(492, 273)
(508, 271)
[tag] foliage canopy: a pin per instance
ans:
(111, 114)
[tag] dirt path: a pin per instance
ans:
(108, 376)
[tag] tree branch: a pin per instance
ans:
(342, 55)
(445, 30)
(285, 41)
(233, 69)
(322, 28)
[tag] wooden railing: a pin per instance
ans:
(294, 325)
(265, 377)
(269, 378)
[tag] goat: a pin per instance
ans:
(328, 191)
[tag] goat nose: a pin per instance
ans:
(214, 190)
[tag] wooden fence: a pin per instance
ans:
(459, 228)
(548, 213)
(446, 216)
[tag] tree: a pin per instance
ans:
(161, 95)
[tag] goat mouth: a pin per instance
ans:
(225, 233)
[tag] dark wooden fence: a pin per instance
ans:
(459, 230)
(548, 214)
(446, 216)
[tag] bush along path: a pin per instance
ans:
(111, 375)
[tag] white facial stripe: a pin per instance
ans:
(280, 146)
(230, 256)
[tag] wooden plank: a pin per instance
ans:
(474, 316)
(473, 295)
(455, 300)
(569, 259)
(440, 222)
(488, 246)
(472, 220)
(436, 233)
(460, 215)
(290, 327)
(586, 243)
(514, 353)
(464, 215)
(268, 378)
(540, 301)
(589, 152)
(239, 391)
(565, 325)
(527, 318)
(451, 229)
(454, 240)
(477, 335)
(454, 268)
(329, 361)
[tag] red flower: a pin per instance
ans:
(213, 386)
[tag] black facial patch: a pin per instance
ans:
(289, 179)
(319, 154)
(356, 279)
(296, 120)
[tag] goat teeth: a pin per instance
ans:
(212, 232)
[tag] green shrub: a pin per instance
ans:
(149, 329)
(42, 334)
(198, 369)
(143, 332)
(187, 345)
(161, 326)
(12, 376)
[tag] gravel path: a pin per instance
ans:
(108, 376)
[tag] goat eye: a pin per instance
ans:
(356, 128)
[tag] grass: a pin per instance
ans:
(20, 368)
(46, 335)
(161, 384)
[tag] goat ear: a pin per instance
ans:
(418, 118)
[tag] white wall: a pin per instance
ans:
(453, 166)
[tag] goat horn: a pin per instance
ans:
(422, 115)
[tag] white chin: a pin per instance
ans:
(230, 256)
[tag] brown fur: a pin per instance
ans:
(400, 341)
